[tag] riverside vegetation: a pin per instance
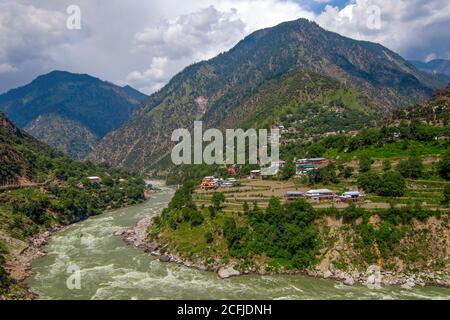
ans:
(42, 188)
(294, 236)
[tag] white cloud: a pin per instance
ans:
(175, 43)
(5, 68)
(154, 77)
(203, 34)
(27, 32)
(258, 14)
(144, 43)
(412, 28)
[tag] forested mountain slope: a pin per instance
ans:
(215, 90)
(70, 112)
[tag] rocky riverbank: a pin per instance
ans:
(373, 278)
(23, 253)
(20, 258)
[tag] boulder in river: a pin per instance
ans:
(164, 258)
(228, 272)
(328, 274)
(409, 285)
(349, 281)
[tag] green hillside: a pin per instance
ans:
(41, 188)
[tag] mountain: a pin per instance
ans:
(220, 90)
(437, 66)
(70, 112)
(434, 111)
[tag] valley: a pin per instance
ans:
(357, 207)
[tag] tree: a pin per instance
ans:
(411, 168)
(387, 166)
(392, 185)
(365, 163)
(323, 175)
(444, 167)
(288, 171)
(347, 172)
(369, 182)
(217, 199)
(108, 181)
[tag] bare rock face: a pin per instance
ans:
(328, 274)
(228, 272)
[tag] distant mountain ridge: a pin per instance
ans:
(211, 89)
(68, 111)
(437, 66)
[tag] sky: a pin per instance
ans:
(143, 43)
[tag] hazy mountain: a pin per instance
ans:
(220, 90)
(69, 111)
(438, 66)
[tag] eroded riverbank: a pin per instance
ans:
(137, 237)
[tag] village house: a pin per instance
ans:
(320, 194)
(303, 169)
(206, 185)
(94, 179)
(351, 196)
(292, 195)
(317, 160)
(255, 174)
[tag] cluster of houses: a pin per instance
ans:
(214, 183)
(325, 195)
(304, 166)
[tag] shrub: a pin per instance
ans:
(387, 166)
(347, 172)
(411, 168)
(365, 163)
(209, 237)
(193, 216)
(217, 199)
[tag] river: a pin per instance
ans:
(112, 270)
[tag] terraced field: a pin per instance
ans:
(427, 193)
